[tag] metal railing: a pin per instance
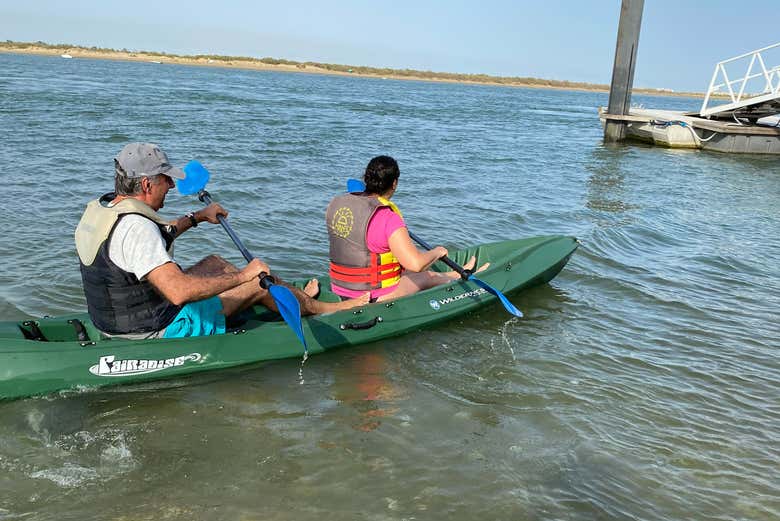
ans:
(741, 98)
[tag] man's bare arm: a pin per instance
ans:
(179, 287)
(207, 214)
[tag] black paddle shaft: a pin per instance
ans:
(265, 280)
(464, 274)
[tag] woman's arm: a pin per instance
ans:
(407, 253)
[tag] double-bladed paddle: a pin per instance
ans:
(354, 185)
(285, 300)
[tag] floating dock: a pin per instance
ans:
(675, 129)
(745, 121)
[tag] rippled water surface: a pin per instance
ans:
(642, 384)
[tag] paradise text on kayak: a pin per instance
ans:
(109, 366)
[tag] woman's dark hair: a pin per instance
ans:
(381, 173)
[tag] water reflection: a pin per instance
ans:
(365, 384)
(606, 184)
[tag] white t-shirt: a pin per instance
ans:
(137, 246)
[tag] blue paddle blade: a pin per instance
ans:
(290, 309)
(505, 301)
(354, 185)
(195, 180)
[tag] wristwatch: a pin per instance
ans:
(193, 220)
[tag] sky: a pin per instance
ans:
(679, 45)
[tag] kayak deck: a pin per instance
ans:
(52, 354)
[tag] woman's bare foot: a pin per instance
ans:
(312, 288)
(483, 267)
(469, 266)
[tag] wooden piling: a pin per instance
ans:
(623, 69)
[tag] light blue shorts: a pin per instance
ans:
(200, 318)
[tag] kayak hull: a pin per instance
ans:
(61, 361)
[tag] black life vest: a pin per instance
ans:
(119, 303)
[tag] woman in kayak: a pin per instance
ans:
(370, 247)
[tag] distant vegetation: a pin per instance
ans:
(348, 69)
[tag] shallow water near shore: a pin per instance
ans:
(643, 382)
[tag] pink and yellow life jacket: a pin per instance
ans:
(352, 265)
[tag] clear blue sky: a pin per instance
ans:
(557, 39)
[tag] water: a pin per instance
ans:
(642, 384)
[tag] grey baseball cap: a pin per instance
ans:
(145, 159)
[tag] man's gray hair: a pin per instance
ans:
(124, 185)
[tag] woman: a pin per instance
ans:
(370, 247)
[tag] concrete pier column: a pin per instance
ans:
(623, 69)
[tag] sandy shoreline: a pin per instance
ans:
(256, 64)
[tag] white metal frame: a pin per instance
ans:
(742, 99)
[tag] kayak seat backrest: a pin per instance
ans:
(54, 330)
(85, 331)
(31, 331)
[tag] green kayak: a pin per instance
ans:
(54, 354)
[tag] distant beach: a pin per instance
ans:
(275, 64)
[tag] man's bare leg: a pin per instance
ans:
(312, 288)
(311, 306)
(210, 266)
(250, 293)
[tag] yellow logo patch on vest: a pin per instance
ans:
(342, 223)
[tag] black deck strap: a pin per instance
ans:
(81, 331)
(360, 325)
(34, 332)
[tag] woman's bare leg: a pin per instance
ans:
(411, 283)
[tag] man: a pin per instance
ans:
(133, 286)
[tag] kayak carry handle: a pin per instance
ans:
(360, 325)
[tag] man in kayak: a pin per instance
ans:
(370, 247)
(133, 286)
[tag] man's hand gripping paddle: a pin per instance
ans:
(286, 302)
(354, 185)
